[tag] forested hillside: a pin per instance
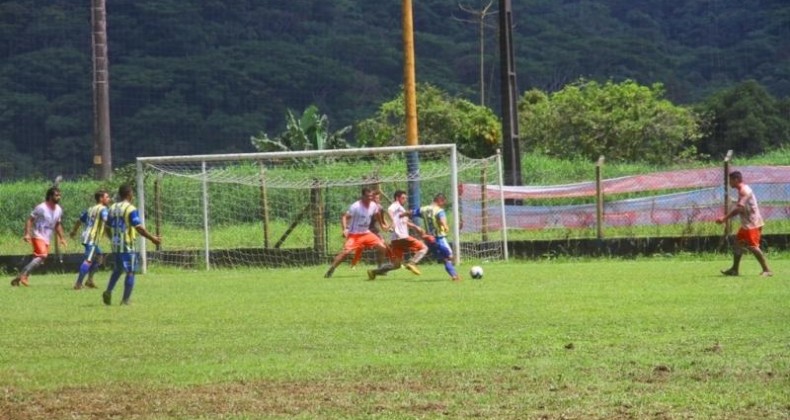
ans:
(202, 76)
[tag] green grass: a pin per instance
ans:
(666, 338)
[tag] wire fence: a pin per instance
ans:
(672, 203)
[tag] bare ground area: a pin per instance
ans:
(427, 397)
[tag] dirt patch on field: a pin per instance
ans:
(259, 398)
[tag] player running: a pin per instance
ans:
(94, 219)
(356, 230)
(125, 224)
(374, 227)
(436, 228)
(45, 218)
(401, 242)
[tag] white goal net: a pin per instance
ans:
(284, 208)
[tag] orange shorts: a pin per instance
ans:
(361, 241)
(40, 248)
(749, 237)
(399, 246)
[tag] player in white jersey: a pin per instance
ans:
(401, 241)
(356, 229)
(374, 227)
(45, 219)
(750, 232)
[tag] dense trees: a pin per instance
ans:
(623, 121)
(442, 119)
(745, 118)
(202, 76)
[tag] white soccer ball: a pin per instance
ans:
(476, 272)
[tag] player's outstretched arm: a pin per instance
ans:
(145, 234)
(77, 225)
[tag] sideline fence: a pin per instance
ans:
(673, 203)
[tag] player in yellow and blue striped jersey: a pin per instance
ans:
(94, 220)
(437, 229)
(125, 223)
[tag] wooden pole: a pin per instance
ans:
(410, 105)
(264, 204)
(599, 198)
(317, 204)
(727, 224)
(409, 75)
(102, 152)
(484, 202)
(292, 226)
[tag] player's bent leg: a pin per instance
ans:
(85, 268)
(383, 270)
(357, 258)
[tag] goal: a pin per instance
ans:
(284, 208)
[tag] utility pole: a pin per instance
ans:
(410, 103)
(102, 154)
(510, 139)
(480, 19)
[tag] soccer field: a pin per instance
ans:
(656, 338)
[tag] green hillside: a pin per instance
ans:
(202, 76)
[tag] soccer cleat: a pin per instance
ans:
(413, 268)
(371, 275)
(106, 297)
(767, 274)
(126, 302)
(77, 286)
(456, 278)
(329, 273)
(15, 282)
(90, 284)
(729, 272)
(23, 280)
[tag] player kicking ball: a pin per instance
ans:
(401, 242)
(435, 236)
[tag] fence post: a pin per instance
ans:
(727, 224)
(484, 202)
(317, 203)
(599, 197)
(264, 204)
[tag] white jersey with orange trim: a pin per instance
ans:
(45, 218)
(400, 225)
(361, 216)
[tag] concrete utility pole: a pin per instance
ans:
(510, 139)
(480, 20)
(102, 154)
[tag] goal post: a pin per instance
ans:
(283, 208)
